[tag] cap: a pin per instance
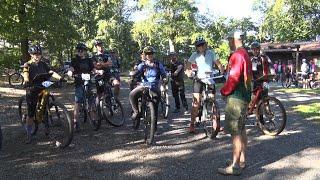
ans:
(237, 34)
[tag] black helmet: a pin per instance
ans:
(199, 40)
(81, 46)
(35, 50)
(98, 42)
(255, 44)
(172, 53)
(149, 49)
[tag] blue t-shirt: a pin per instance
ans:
(151, 74)
(204, 62)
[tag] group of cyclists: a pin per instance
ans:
(150, 72)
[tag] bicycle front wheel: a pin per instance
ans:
(114, 113)
(15, 80)
(93, 115)
(271, 116)
(212, 121)
(60, 125)
(149, 123)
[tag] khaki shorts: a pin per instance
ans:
(235, 116)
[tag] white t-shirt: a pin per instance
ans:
(204, 62)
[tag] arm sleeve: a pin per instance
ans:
(46, 67)
(163, 72)
(235, 73)
(91, 64)
(192, 58)
(180, 67)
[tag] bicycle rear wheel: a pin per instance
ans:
(212, 121)
(15, 80)
(113, 112)
(23, 112)
(60, 124)
(271, 116)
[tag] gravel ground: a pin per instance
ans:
(120, 153)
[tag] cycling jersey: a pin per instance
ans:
(81, 66)
(151, 73)
(204, 62)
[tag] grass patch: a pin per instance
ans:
(300, 90)
(309, 111)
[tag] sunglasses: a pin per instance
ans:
(149, 53)
(36, 54)
(80, 51)
(199, 45)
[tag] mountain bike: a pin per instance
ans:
(109, 106)
(164, 100)
(209, 113)
(313, 82)
(91, 110)
(51, 113)
(146, 114)
(270, 113)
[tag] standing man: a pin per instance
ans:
(237, 89)
(205, 60)
(177, 83)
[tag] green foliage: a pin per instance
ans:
(291, 20)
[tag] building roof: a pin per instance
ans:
(290, 47)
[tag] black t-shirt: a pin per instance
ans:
(173, 67)
(81, 66)
(35, 69)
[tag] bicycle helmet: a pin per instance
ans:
(98, 42)
(199, 40)
(255, 45)
(304, 60)
(36, 49)
(149, 49)
(81, 46)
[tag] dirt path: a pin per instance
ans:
(119, 153)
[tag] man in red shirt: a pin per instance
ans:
(237, 90)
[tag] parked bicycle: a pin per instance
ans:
(110, 107)
(91, 110)
(270, 113)
(314, 83)
(209, 113)
(51, 113)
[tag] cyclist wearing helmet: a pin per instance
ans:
(80, 64)
(151, 71)
(135, 64)
(101, 61)
(305, 69)
(261, 65)
(30, 69)
(205, 60)
(114, 71)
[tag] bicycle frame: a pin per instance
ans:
(258, 92)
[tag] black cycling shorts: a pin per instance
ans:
(32, 100)
(199, 86)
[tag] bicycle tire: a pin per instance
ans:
(95, 124)
(150, 124)
(113, 113)
(268, 116)
(22, 111)
(212, 122)
(61, 124)
(15, 80)
(165, 105)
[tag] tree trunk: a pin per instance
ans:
(24, 37)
